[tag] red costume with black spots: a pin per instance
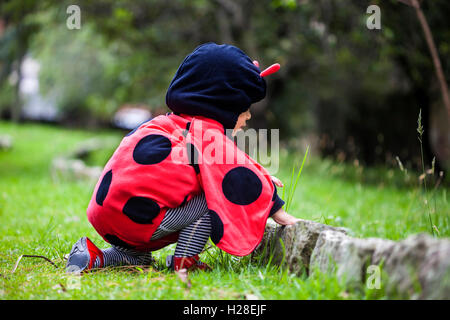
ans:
(180, 160)
(152, 170)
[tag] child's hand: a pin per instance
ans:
(277, 181)
(283, 218)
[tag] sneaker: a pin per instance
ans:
(83, 255)
(189, 263)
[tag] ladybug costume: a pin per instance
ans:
(167, 161)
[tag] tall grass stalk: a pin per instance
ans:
(293, 184)
(420, 131)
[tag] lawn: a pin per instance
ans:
(43, 216)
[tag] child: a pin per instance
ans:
(164, 184)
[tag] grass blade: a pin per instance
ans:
(293, 184)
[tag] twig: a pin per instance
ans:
(31, 256)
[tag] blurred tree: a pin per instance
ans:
(433, 51)
(358, 90)
(16, 32)
(411, 53)
(78, 70)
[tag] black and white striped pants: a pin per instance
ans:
(193, 222)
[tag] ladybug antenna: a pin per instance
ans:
(272, 69)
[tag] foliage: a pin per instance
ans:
(357, 90)
(80, 75)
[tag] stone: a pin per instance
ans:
(84, 149)
(348, 257)
(292, 245)
(74, 169)
(417, 267)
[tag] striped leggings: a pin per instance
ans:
(193, 222)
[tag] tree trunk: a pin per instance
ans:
(434, 55)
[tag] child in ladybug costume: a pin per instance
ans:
(179, 179)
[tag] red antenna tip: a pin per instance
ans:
(272, 69)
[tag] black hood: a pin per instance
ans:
(216, 81)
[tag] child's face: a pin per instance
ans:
(242, 121)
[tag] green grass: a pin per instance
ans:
(42, 216)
